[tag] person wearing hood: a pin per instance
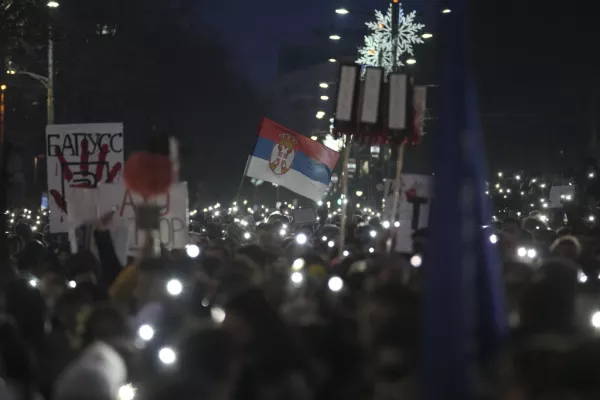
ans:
(101, 370)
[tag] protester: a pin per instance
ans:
(268, 310)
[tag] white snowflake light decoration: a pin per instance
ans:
(378, 47)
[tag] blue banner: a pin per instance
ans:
(465, 320)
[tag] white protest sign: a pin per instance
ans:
(556, 193)
(83, 207)
(173, 215)
(80, 156)
(83, 212)
(413, 208)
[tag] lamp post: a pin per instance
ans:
(50, 86)
(5, 270)
(2, 89)
(46, 81)
(395, 28)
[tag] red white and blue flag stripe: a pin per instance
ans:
(291, 160)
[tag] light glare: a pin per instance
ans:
(416, 261)
(126, 392)
(298, 264)
(297, 278)
(192, 250)
(301, 239)
(595, 320)
(167, 356)
(217, 314)
(146, 332)
(174, 287)
(335, 284)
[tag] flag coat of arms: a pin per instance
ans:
(291, 160)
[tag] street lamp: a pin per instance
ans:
(332, 60)
(323, 85)
(314, 138)
(335, 37)
(427, 35)
(341, 11)
(47, 81)
(324, 98)
(52, 4)
(320, 114)
(446, 11)
(411, 61)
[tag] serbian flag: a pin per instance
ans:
(465, 322)
(291, 160)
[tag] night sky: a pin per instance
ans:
(535, 64)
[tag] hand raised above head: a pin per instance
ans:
(103, 223)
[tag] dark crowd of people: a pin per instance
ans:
(274, 310)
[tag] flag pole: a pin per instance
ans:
(237, 196)
(397, 183)
(344, 196)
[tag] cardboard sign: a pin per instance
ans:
(80, 156)
(413, 207)
(173, 214)
(303, 216)
(83, 211)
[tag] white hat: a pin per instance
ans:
(96, 375)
